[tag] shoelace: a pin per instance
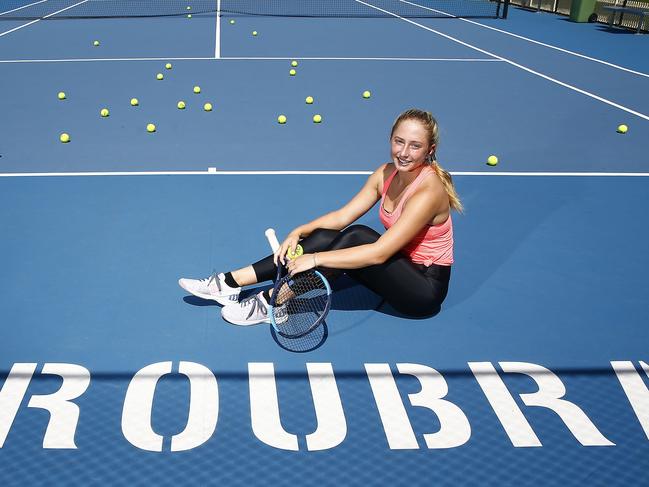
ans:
(256, 303)
(214, 277)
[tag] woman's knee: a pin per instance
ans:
(358, 235)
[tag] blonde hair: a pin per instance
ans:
(432, 128)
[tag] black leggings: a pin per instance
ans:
(412, 289)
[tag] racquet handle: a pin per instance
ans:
(272, 239)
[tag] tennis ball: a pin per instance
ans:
(366, 94)
(181, 105)
(622, 129)
(492, 160)
(134, 102)
(197, 89)
(95, 43)
(65, 138)
(254, 33)
(207, 107)
(294, 64)
(188, 7)
(296, 253)
(292, 72)
(168, 66)
(317, 118)
(231, 21)
(281, 119)
(309, 100)
(150, 128)
(61, 95)
(104, 112)
(189, 16)
(159, 76)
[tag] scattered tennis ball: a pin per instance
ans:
(622, 129)
(254, 33)
(95, 43)
(168, 66)
(294, 64)
(309, 100)
(296, 253)
(65, 138)
(292, 72)
(61, 95)
(281, 119)
(159, 76)
(492, 160)
(189, 16)
(197, 89)
(181, 105)
(188, 7)
(317, 118)
(207, 107)
(366, 94)
(150, 128)
(134, 102)
(104, 112)
(231, 21)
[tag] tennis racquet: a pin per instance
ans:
(299, 303)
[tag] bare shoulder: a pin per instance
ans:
(435, 191)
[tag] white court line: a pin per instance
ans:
(550, 46)
(217, 45)
(82, 60)
(214, 172)
(509, 61)
(42, 18)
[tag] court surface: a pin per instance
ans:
(535, 372)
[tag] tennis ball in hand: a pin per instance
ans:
(150, 128)
(296, 253)
(622, 129)
(281, 119)
(104, 112)
(65, 138)
(317, 118)
(492, 160)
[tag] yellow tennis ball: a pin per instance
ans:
(254, 33)
(159, 76)
(95, 43)
(281, 119)
(622, 129)
(134, 102)
(366, 94)
(197, 89)
(296, 252)
(188, 7)
(317, 118)
(168, 66)
(492, 160)
(309, 100)
(181, 105)
(207, 107)
(104, 112)
(65, 138)
(150, 127)
(294, 64)
(231, 21)
(61, 95)
(292, 72)
(189, 16)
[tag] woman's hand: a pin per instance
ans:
(288, 244)
(301, 264)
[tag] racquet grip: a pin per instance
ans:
(272, 239)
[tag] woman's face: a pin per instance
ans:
(409, 145)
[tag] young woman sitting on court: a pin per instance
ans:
(409, 265)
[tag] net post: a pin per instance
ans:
(505, 8)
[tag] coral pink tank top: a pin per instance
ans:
(434, 243)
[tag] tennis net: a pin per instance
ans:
(66, 9)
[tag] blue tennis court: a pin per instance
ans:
(534, 373)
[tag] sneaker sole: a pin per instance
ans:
(245, 323)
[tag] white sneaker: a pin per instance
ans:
(250, 311)
(213, 287)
